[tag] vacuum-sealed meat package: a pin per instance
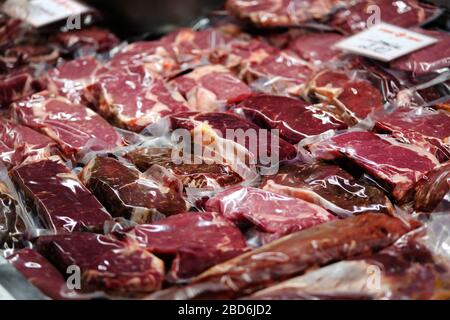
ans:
(61, 202)
(398, 166)
(125, 192)
(11, 223)
(432, 188)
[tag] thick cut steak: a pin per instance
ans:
(293, 255)
(105, 263)
(404, 13)
(428, 59)
(399, 166)
(329, 186)
(59, 198)
(19, 143)
(211, 87)
(432, 188)
(221, 122)
(10, 221)
(193, 174)
(355, 98)
(73, 126)
(281, 73)
(281, 13)
(269, 212)
(132, 98)
(40, 272)
(125, 192)
(14, 87)
(295, 118)
(196, 241)
(423, 127)
(71, 78)
(316, 48)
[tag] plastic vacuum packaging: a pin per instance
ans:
(59, 199)
(330, 187)
(11, 224)
(273, 215)
(73, 126)
(125, 192)
(292, 255)
(423, 127)
(432, 188)
(399, 172)
(190, 242)
(404, 13)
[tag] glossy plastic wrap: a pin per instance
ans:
(211, 88)
(11, 223)
(192, 242)
(330, 187)
(400, 171)
(125, 192)
(59, 199)
(275, 215)
(292, 255)
(73, 126)
(432, 188)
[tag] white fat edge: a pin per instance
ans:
(201, 99)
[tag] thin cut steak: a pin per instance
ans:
(355, 98)
(210, 88)
(329, 186)
(271, 213)
(60, 200)
(19, 143)
(423, 127)
(39, 271)
(295, 118)
(221, 122)
(125, 192)
(192, 175)
(315, 47)
(293, 255)
(404, 13)
(105, 263)
(132, 98)
(431, 189)
(73, 126)
(399, 166)
(196, 241)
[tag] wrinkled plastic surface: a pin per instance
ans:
(432, 189)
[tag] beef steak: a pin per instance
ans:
(432, 188)
(315, 47)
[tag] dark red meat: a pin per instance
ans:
(14, 87)
(295, 118)
(126, 193)
(399, 166)
(10, 222)
(106, 264)
(197, 241)
(73, 126)
(432, 188)
(60, 200)
(329, 186)
(316, 48)
(423, 127)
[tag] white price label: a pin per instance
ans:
(385, 42)
(39, 13)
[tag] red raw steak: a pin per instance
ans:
(60, 200)
(73, 126)
(11, 223)
(329, 186)
(14, 87)
(40, 272)
(293, 255)
(295, 118)
(126, 193)
(271, 213)
(105, 263)
(355, 98)
(428, 59)
(316, 48)
(423, 127)
(222, 121)
(211, 87)
(19, 143)
(71, 78)
(404, 13)
(399, 166)
(433, 188)
(132, 98)
(197, 241)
